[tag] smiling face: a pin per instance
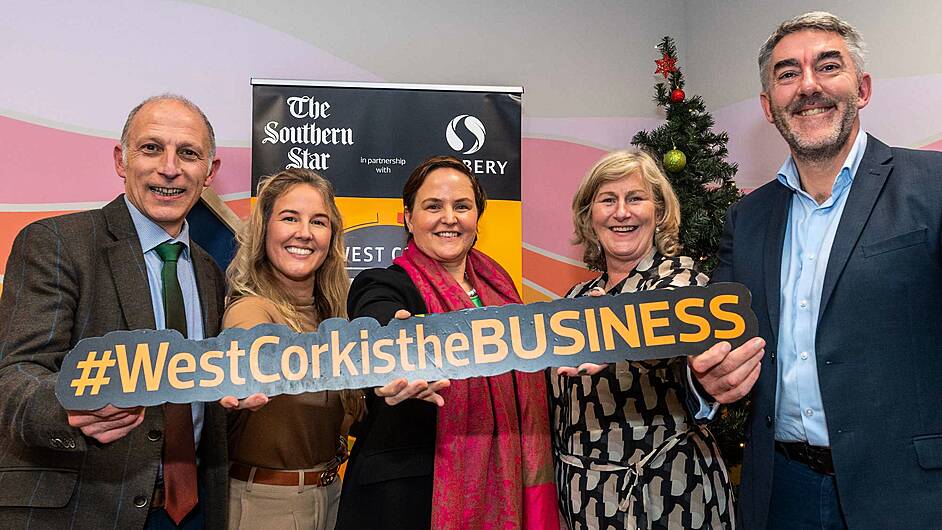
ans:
(814, 94)
(297, 238)
(444, 219)
(167, 164)
(623, 218)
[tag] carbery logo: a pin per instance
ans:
(471, 128)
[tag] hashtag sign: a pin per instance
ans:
(100, 366)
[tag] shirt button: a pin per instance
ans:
(804, 355)
(809, 412)
(803, 304)
(810, 257)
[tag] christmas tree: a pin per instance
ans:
(694, 159)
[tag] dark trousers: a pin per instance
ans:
(803, 499)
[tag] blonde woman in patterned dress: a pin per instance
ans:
(629, 453)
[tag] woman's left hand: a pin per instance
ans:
(253, 402)
(584, 368)
(401, 389)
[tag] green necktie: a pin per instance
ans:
(174, 309)
(180, 490)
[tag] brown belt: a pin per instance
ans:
(816, 458)
(278, 477)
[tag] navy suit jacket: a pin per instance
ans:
(70, 277)
(878, 345)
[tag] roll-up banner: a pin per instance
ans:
(366, 138)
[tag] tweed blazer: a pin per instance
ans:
(70, 277)
(878, 344)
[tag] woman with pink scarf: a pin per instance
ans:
(469, 454)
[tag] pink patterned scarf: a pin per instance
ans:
(493, 461)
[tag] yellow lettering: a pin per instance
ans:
(174, 369)
(454, 343)
(365, 351)
(703, 325)
(739, 325)
(141, 363)
(301, 354)
(557, 327)
(234, 353)
(403, 341)
(627, 330)
(257, 373)
(516, 340)
(494, 339)
(591, 330)
(648, 322)
(383, 356)
(316, 351)
(207, 366)
(421, 341)
(338, 356)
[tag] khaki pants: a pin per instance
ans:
(260, 506)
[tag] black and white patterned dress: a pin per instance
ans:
(628, 453)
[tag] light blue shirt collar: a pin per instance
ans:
(788, 173)
(151, 234)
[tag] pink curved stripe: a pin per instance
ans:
(40, 165)
(552, 170)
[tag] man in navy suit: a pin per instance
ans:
(842, 254)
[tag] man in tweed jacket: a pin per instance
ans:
(83, 275)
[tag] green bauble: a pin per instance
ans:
(675, 160)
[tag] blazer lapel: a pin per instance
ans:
(772, 266)
(126, 262)
(871, 175)
(206, 287)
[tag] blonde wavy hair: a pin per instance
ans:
(251, 274)
(613, 167)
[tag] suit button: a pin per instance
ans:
(772, 356)
(769, 421)
(140, 501)
(153, 435)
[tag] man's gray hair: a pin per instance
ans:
(816, 20)
(168, 97)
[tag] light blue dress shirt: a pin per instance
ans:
(809, 234)
(151, 234)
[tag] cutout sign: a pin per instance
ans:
(131, 368)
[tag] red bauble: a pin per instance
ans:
(677, 95)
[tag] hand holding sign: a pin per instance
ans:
(147, 367)
(401, 389)
(728, 374)
(253, 402)
(108, 423)
(585, 368)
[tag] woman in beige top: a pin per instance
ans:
(289, 269)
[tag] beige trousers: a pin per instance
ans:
(264, 507)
